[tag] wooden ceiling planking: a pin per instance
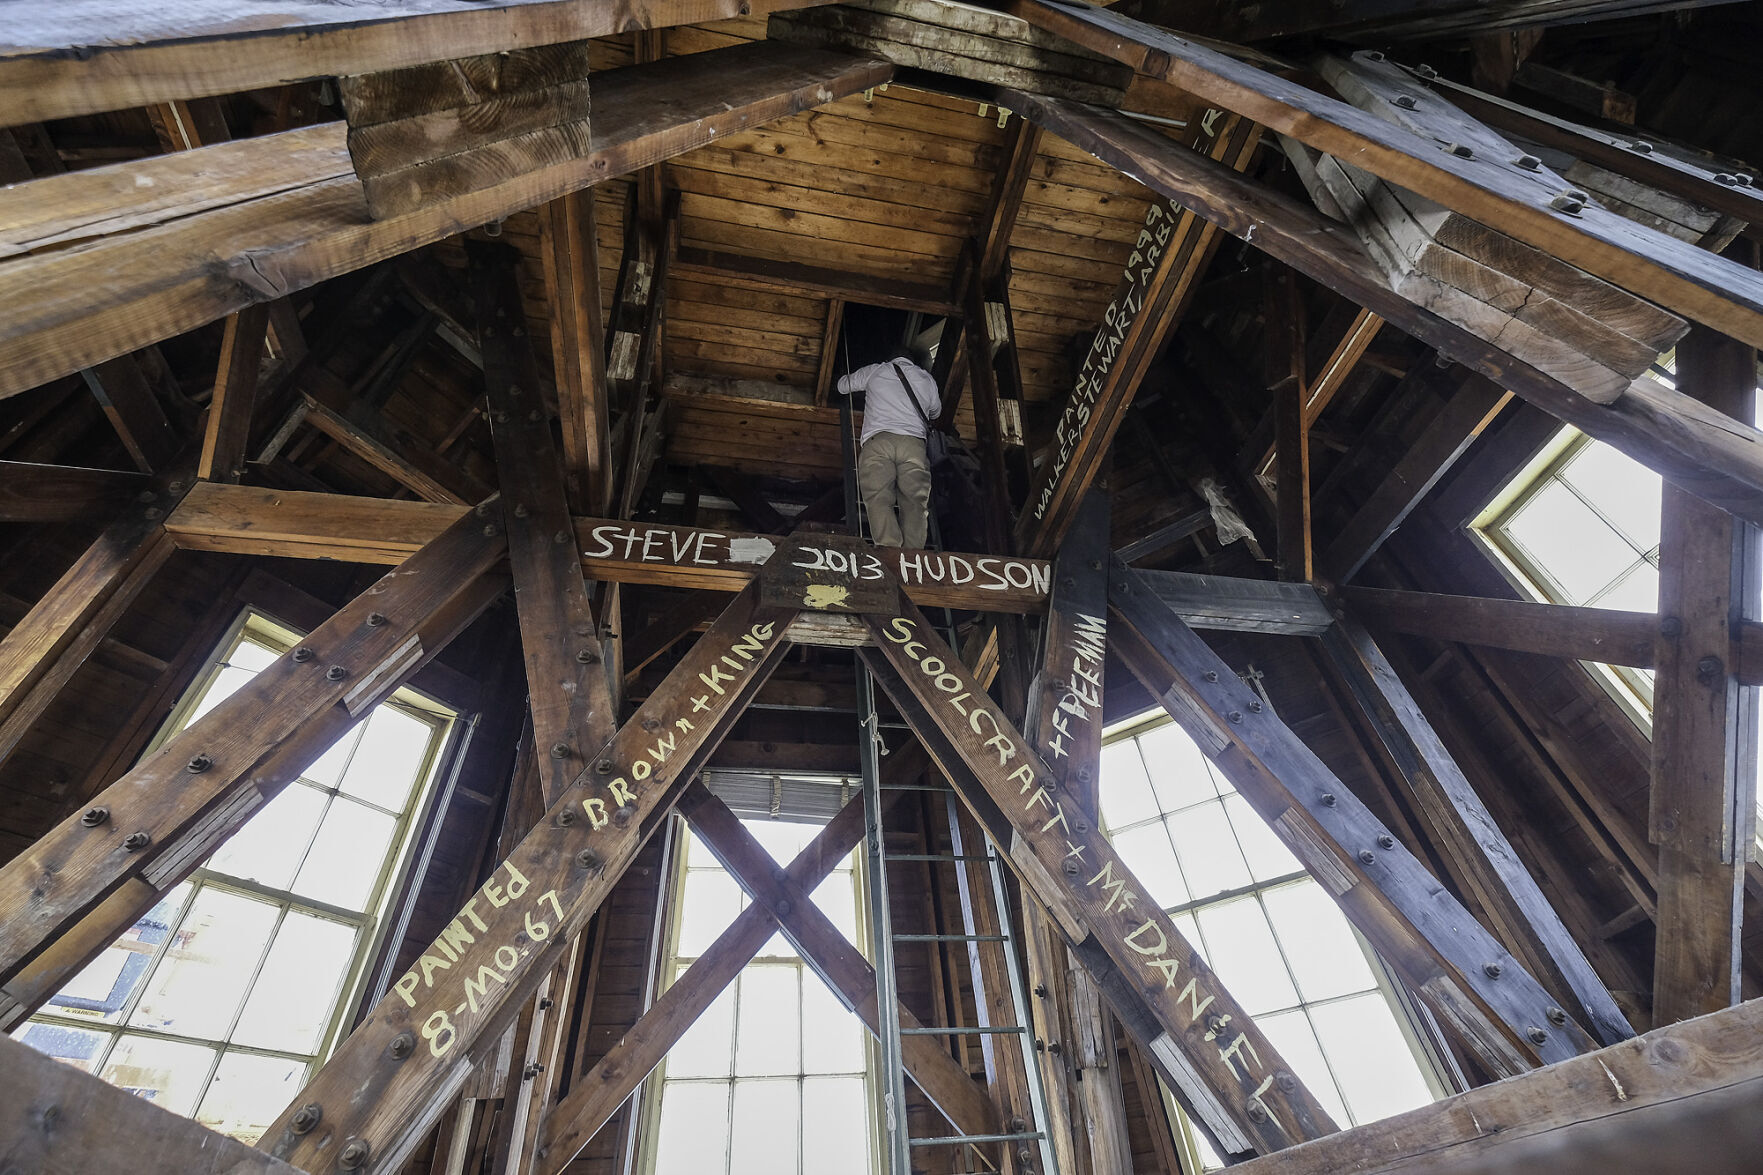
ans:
(778, 440)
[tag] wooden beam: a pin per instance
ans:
(64, 493)
(895, 293)
(235, 394)
(1332, 374)
(1239, 605)
(58, 1117)
(181, 271)
(1550, 630)
(1450, 432)
(1367, 19)
(1674, 273)
(1445, 794)
(831, 334)
(108, 54)
(1680, 1100)
(567, 687)
(999, 221)
(1702, 810)
(1284, 316)
(1065, 702)
(1225, 1071)
(428, 476)
(394, 1075)
(128, 401)
(570, 252)
(1468, 978)
(1688, 443)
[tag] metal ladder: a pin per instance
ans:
(1032, 1144)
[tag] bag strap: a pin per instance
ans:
(913, 396)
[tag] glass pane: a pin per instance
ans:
(1577, 547)
(1370, 1056)
(1125, 789)
(707, 1047)
(837, 899)
(271, 845)
(1637, 592)
(1148, 853)
(225, 686)
(248, 1092)
(252, 656)
(102, 990)
(767, 1123)
(1627, 492)
(835, 1125)
(330, 764)
(1241, 949)
(768, 1031)
(78, 1047)
(698, 854)
(1210, 859)
(387, 758)
(1190, 931)
(201, 978)
(1267, 855)
(1178, 769)
(783, 839)
(1290, 1033)
(296, 991)
(168, 1073)
(693, 1133)
(1319, 943)
(347, 856)
(710, 902)
(832, 1037)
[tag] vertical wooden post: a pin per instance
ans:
(1284, 317)
(571, 254)
(1702, 811)
(235, 395)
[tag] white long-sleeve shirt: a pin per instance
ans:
(886, 408)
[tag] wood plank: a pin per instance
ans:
(166, 280)
(1686, 442)
(567, 688)
(1289, 383)
(94, 55)
(64, 493)
(571, 256)
(1702, 802)
(431, 480)
(793, 277)
(1239, 605)
(128, 401)
(469, 985)
(1552, 630)
(235, 395)
(1469, 980)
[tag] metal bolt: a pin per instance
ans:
(1641, 147)
(1373, 55)
(376, 620)
(560, 750)
(1080, 825)
(1708, 668)
(490, 531)
(622, 815)
(305, 1118)
(560, 537)
(1670, 626)
(1255, 705)
(482, 510)
(136, 841)
(353, 1154)
(500, 417)
(1366, 856)
(532, 1070)
(514, 390)
(335, 673)
(93, 817)
(1386, 841)
(1406, 101)
(1744, 180)
(1070, 868)
(1557, 1017)
(198, 764)
(153, 512)
(1492, 970)
(1095, 565)
(401, 1046)
(1055, 1047)
(604, 767)
(1537, 1035)
(302, 655)
(566, 817)
(1425, 71)
(1460, 150)
(1328, 799)
(1726, 178)
(587, 859)
(1235, 715)
(1257, 1112)
(784, 906)
(1024, 1155)
(546, 1003)
(1041, 990)
(1210, 675)
(1566, 203)
(651, 724)
(1285, 1081)
(1529, 162)
(534, 416)
(145, 497)
(520, 510)
(586, 656)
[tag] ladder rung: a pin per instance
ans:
(932, 787)
(951, 938)
(964, 1139)
(939, 857)
(964, 1031)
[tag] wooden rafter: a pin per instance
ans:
(63, 493)
(571, 256)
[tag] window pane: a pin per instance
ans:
(1126, 790)
(248, 1092)
(228, 683)
(252, 656)
(710, 902)
(694, 1129)
(1178, 769)
(168, 1073)
(1267, 855)
(767, 1122)
(1210, 859)
(707, 1048)
(1148, 853)
(200, 980)
(292, 1000)
(1578, 548)
(837, 899)
(271, 845)
(78, 1047)
(387, 758)
(1318, 941)
(783, 839)
(347, 856)
(1638, 591)
(1242, 951)
(835, 1125)
(1370, 1057)
(1627, 492)
(832, 1037)
(101, 991)
(330, 764)
(1290, 1033)
(767, 1039)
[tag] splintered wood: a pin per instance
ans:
(429, 132)
(1586, 332)
(962, 41)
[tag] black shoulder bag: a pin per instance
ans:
(955, 492)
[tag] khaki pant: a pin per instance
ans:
(892, 472)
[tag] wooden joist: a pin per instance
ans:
(424, 474)
(64, 493)
(228, 431)
(186, 268)
(1551, 630)
(1685, 441)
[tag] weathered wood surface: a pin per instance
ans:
(1241, 605)
(1676, 275)
(129, 402)
(397, 1071)
(166, 279)
(163, 815)
(1065, 699)
(570, 253)
(1553, 630)
(1680, 1100)
(64, 493)
(1469, 979)
(428, 477)
(235, 395)
(59, 1120)
(90, 55)
(1688, 443)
